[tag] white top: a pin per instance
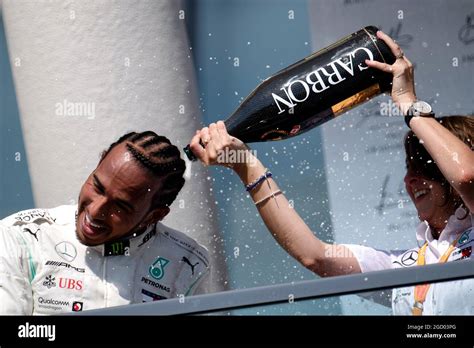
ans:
(44, 269)
(445, 298)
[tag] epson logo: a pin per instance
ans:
(37, 331)
(321, 79)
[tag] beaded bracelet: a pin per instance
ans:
(265, 176)
(273, 194)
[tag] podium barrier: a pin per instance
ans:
(297, 291)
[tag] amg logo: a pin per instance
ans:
(64, 264)
(156, 285)
(34, 331)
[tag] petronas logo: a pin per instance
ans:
(464, 238)
(157, 269)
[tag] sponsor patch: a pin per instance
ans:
(191, 265)
(66, 251)
(147, 237)
(409, 258)
(117, 248)
(149, 296)
(157, 269)
(33, 230)
(65, 265)
(33, 215)
(49, 282)
(464, 237)
(77, 306)
(155, 284)
(466, 253)
(71, 284)
(52, 303)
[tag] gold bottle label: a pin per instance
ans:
(355, 100)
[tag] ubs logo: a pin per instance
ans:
(70, 284)
(466, 33)
(64, 283)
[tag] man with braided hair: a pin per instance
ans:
(110, 249)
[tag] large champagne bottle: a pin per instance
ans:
(313, 91)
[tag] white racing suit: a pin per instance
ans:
(44, 269)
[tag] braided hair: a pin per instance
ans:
(157, 154)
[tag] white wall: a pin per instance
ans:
(130, 65)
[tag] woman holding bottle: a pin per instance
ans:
(439, 181)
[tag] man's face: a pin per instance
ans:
(115, 200)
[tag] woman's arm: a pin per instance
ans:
(453, 157)
(284, 223)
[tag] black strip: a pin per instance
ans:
(238, 330)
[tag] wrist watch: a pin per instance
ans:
(419, 108)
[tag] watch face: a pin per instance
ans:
(422, 107)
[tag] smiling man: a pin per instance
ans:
(110, 249)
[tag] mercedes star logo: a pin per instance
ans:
(66, 250)
(409, 258)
